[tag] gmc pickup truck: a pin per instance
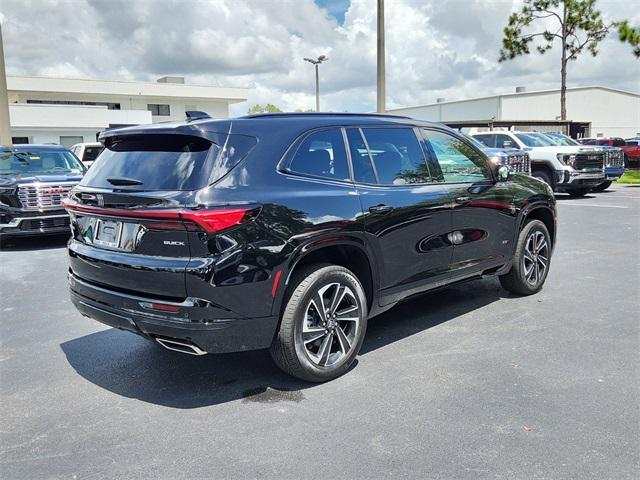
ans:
(34, 179)
(630, 147)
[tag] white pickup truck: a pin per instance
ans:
(571, 169)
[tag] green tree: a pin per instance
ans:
(576, 24)
(630, 35)
(268, 108)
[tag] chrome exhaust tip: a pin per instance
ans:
(179, 346)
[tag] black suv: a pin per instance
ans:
(289, 231)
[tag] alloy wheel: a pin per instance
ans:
(331, 324)
(536, 258)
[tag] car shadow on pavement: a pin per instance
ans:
(25, 244)
(128, 365)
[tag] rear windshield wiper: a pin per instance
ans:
(124, 181)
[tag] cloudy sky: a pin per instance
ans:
(435, 48)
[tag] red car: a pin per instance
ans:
(630, 147)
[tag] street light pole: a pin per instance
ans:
(321, 58)
(381, 106)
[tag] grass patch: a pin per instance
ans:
(630, 176)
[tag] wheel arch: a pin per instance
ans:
(347, 252)
(546, 215)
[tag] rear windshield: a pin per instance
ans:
(165, 162)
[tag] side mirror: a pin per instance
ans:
(507, 144)
(504, 173)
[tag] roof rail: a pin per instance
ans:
(331, 114)
(196, 115)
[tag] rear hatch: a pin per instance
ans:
(133, 211)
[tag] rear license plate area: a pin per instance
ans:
(108, 233)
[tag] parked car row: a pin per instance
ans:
(561, 162)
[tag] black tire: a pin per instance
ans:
(602, 187)
(516, 280)
(289, 350)
(626, 160)
(579, 192)
(543, 175)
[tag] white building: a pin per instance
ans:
(591, 111)
(68, 111)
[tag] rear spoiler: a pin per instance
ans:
(215, 131)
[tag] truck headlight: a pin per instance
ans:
(567, 159)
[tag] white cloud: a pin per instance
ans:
(434, 48)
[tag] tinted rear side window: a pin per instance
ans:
(362, 168)
(322, 154)
(166, 162)
(91, 153)
(397, 156)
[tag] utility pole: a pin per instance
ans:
(5, 127)
(381, 67)
(321, 58)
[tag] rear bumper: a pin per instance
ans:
(128, 312)
(34, 223)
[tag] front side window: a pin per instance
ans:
(397, 156)
(631, 143)
(459, 162)
(322, 154)
(504, 141)
(159, 110)
(488, 140)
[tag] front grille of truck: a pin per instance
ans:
(43, 196)
(520, 163)
(589, 161)
(44, 224)
(615, 159)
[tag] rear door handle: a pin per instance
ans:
(380, 209)
(463, 199)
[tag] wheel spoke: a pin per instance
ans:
(543, 260)
(338, 295)
(344, 342)
(344, 311)
(325, 349)
(312, 334)
(528, 256)
(318, 302)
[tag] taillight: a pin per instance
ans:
(209, 220)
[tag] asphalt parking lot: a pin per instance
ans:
(467, 382)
